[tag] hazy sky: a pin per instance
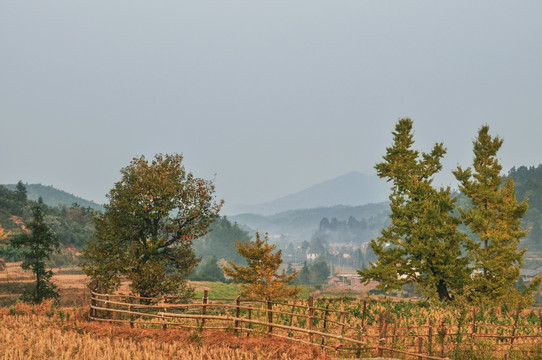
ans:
(272, 96)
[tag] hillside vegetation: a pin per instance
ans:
(72, 225)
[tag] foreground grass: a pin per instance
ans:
(43, 332)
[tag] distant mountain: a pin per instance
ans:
(351, 189)
(300, 225)
(54, 197)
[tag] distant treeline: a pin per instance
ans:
(55, 197)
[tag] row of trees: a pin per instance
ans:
(145, 235)
(157, 210)
(423, 245)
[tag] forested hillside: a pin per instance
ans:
(72, 225)
(528, 184)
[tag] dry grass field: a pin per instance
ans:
(71, 284)
(45, 332)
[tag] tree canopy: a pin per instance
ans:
(260, 278)
(146, 231)
(421, 246)
(494, 217)
(38, 246)
(220, 241)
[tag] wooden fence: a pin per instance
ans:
(332, 329)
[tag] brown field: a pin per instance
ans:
(71, 284)
(44, 332)
(47, 332)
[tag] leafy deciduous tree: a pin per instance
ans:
(146, 232)
(260, 278)
(422, 244)
(37, 246)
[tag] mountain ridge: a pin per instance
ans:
(52, 196)
(351, 189)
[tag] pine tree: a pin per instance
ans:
(304, 275)
(260, 278)
(20, 191)
(38, 245)
(422, 244)
(495, 218)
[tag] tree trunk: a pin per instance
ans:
(442, 290)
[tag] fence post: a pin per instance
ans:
(342, 321)
(203, 307)
(364, 313)
(430, 338)
(473, 322)
(108, 306)
(515, 327)
(393, 338)
(442, 334)
(250, 318)
(93, 303)
(164, 309)
(358, 351)
(291, 318)
(383, 335)
(131, 315)
(237, 313)
(420, 345)
(270, 314)
(325, 324)
(310, 311)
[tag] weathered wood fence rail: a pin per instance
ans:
(301, 323)
(335, 330)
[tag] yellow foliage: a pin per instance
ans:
(3, 233)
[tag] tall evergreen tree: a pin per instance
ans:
(422, 244)
(260, 278)
(38, 245)
(210, 270)
(20, 191)
(495, 218)
(304, 276)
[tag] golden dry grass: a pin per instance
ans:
(42, 332)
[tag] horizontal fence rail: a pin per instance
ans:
(333, 329)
